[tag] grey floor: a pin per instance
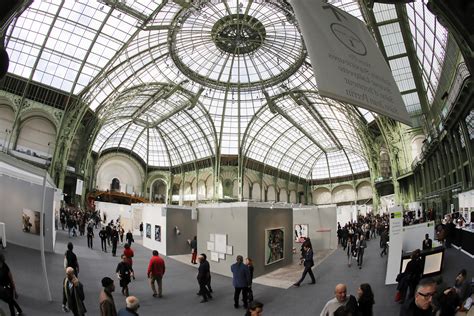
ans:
(180, 285)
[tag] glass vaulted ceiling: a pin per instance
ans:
(176, 82)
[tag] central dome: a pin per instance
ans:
(238, 48)
(238, 34)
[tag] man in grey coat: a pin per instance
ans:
(240, 281)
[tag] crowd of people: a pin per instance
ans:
(111, 233)
(417, 296)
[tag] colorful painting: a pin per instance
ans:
(274, 245)
(30, 221)
(301, 232)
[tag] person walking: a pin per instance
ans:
(141, 229)
(360, 245)
(129, 237)
(365, 300)
(308, 264)
(193, 245)
(70, 259)
(204, 274)
(90, 235)
(106, 300)
(384, 242)
(8, 292)
(73, 294)
(128, 252)
(349, 252)
(121, 233)
(114, 237)
(132, 305)
(124, 273)
(240, 281)
(155, 272)
(103, 239)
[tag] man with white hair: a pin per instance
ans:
(132, 304)
(339, 300)
(73, 294)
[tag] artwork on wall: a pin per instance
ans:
(301, 232)
(220, 243)
(210, 246)
(214, 256)
(218, 247)
(30, 221)
(148, 230)
(274, 245)
(158, 233)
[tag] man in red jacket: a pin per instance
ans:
(156, 270)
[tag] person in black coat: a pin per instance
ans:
(114, 237)
(413, 272)
(308, 264)
(70, 259)
(365, 300)
(421, 304)
(103, 239)
(204, 274)
(129, 237)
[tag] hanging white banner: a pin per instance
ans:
(79, 185)
(347, 63)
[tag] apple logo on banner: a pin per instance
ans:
(349, 39)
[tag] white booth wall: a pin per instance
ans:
(414, 235)
(154, 214)
(346, 214)
(21, 191)
(176, 225)
(319, 219)
(115, 211)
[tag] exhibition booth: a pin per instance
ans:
(404, 240)
(261, 231)
(20, 212)
(115, 212)
(167, 228)
(319, 223)
(464, 220)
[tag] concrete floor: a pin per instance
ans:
(180, 284)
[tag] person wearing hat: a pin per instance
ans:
(132, 304)
(106, 300)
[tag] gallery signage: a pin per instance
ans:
(347, 63)
(396, 242)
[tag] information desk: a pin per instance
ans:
(467, 240)
(432, 261)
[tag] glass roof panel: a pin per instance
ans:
(392, 39)
(430, 39)
(176, 84)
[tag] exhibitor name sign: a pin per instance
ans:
(347, 63)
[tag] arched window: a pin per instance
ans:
(115, 185)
